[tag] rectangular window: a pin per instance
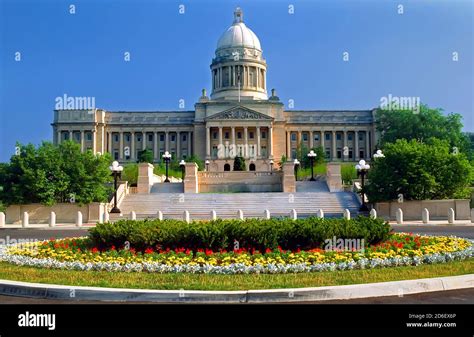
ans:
(327, 136)
(65, 136)
(78, 136)
(350, 154)
(263, 151)
(150, 138)
(116, 138)
(89, 136)
(214, 135)
(339, 154)
(116, 155)
(361, 138)
(338, 136)
(305, 137)
(293, 153)
(239, 135)
(139, 139)
(349, 136)
(251, 134)
(214, 151)
(293, 137)
(184, 138)
(127, 138)
(162, 138)
(264, 135)
(316, 136)
(173, 138)
(226, 135)
(328, 153)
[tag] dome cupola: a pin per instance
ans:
(238, 69)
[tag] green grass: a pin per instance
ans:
(230, 282)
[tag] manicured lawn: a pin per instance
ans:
(230, 282)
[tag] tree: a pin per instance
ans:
(423, 125)
(302, 154)
(51, 174)
(419, 171)
(145, 156)
(239, 163)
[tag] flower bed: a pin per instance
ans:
(78, 254)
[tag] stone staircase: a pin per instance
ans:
(169, 199)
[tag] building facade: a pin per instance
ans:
(238, 118)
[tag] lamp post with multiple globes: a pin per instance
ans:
(167, 159)
(362, 170)
(116, 173)
(312, 156)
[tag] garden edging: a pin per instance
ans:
(345, 292)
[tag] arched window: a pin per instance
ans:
(252, 167)
(226, 167)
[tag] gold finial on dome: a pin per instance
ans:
(238, 15)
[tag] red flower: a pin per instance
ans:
(268, 251)
(149, 251)
(112, 248)
(94, 250)
(208, 252)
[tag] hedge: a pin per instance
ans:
(250, 233)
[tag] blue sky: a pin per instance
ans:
(83, 55)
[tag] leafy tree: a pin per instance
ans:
(50, 174)
(145, 156)
(302, 154)
(423, 125)
(239, 163)
(197, 160)
(419, 171)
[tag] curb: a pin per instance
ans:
(346, 292)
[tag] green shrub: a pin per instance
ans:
(250, 233)
(348, 174)
(239, 163)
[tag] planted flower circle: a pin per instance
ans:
(80, 254)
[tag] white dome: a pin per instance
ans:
(239, 35)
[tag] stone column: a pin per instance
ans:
(94, 140)
(155, 146)
(367, 145)
(298, 138)
(121, 146)
(58, 138)
(323, 136)
(220, 136)
(70, 134)
(344, 146)
(356, 140)
(246, 152)
(167, 145)
(109, 145)
(82, 140)
(288, 144)
(144, 140)
(333, 154)
(178, 145)
(189, 145)
(258, 141)
(270, 141)
(208, 142)
(311, 139)
(233, 137)
(132, 146)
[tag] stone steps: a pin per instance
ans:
(173, 205)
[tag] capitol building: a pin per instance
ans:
(239, 117)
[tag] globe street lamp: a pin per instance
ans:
(297, 163)
(271, 165)
(207, 165)
(116, 173)
(311, 156)
(182, 164)
(378, 154)
(167, 159)
(362, 169)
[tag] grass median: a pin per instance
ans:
(230, 282)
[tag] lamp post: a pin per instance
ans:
(297, 163)
(167, 159)
(182, 164)
(378, 154)
(116, 173)
(311, 156)
(362, 169)
(207, 165)
(271, 165)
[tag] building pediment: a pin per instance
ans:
(239, 113)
